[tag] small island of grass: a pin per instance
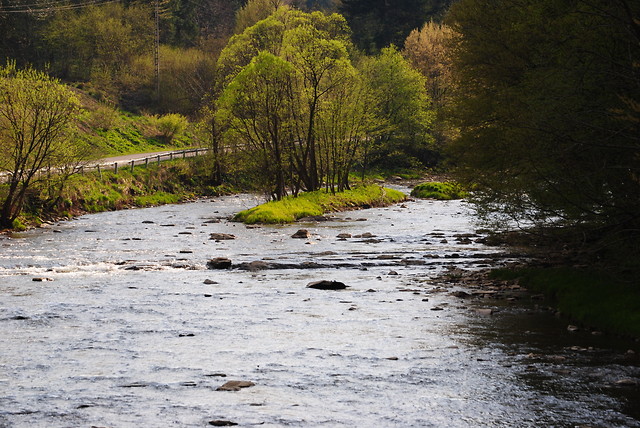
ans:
(441, 191)
(317, 203)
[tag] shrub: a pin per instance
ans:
(171, 126)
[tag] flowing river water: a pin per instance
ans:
(114, 320)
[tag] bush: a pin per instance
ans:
(171, 126)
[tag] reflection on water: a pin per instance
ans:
(133, 329)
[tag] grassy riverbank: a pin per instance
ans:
(592, 299)
(165, 183)
(318, 203)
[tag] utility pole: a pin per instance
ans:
(156, 50)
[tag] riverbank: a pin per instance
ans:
(166, 183)
(588, 300)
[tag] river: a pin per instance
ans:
(114, 320)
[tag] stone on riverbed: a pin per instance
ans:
(221, 237)
(327, 285)
(235, 385)
(222, 423)
(219, 263)
(301, 234)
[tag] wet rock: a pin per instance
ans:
(222, 423)
(222, 237)
(301, 234)
(393, 273)
(41, 279)
(460, 294)
(257, 265)
(437, 308)
(314, 218)
(148, 222)
(365, 235)
(572, 328)
(343, 236)
(210, 282)
(626, 382)
(327, 285)
(235, 385)
(484, 311)
(219, 263)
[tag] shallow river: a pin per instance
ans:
(129, 328)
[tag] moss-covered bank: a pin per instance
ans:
(592, 298)
(318, 203)
(439, 190)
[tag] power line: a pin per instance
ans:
(53, 7)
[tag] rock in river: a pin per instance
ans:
(219, 263)
(327, 285)
(221, 237)
(235, 385)
(301, 234)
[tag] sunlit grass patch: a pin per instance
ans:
(441, 191)
(290, 208)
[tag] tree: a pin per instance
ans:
(255, 104)
(380, 23)
(545, 109)
(37, 117)
(254, 11)
(402, 107)
(99, 43)
(428, 50)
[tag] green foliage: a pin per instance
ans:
(441, 191)
(171, 126)
(158, 198)
(99, 43)
(290, 208)
(17, 225)
(38, 117)
(548, 112)
(589, 297)
(401, 107)
(254, 11)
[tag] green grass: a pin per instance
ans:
(441, 191)
(592, 298)
(290, 208)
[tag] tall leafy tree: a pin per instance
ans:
(37, 121)
(402, 106)
(547, 108)
(256, 105)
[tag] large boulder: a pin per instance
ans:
(327, 285)
(219, 263)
